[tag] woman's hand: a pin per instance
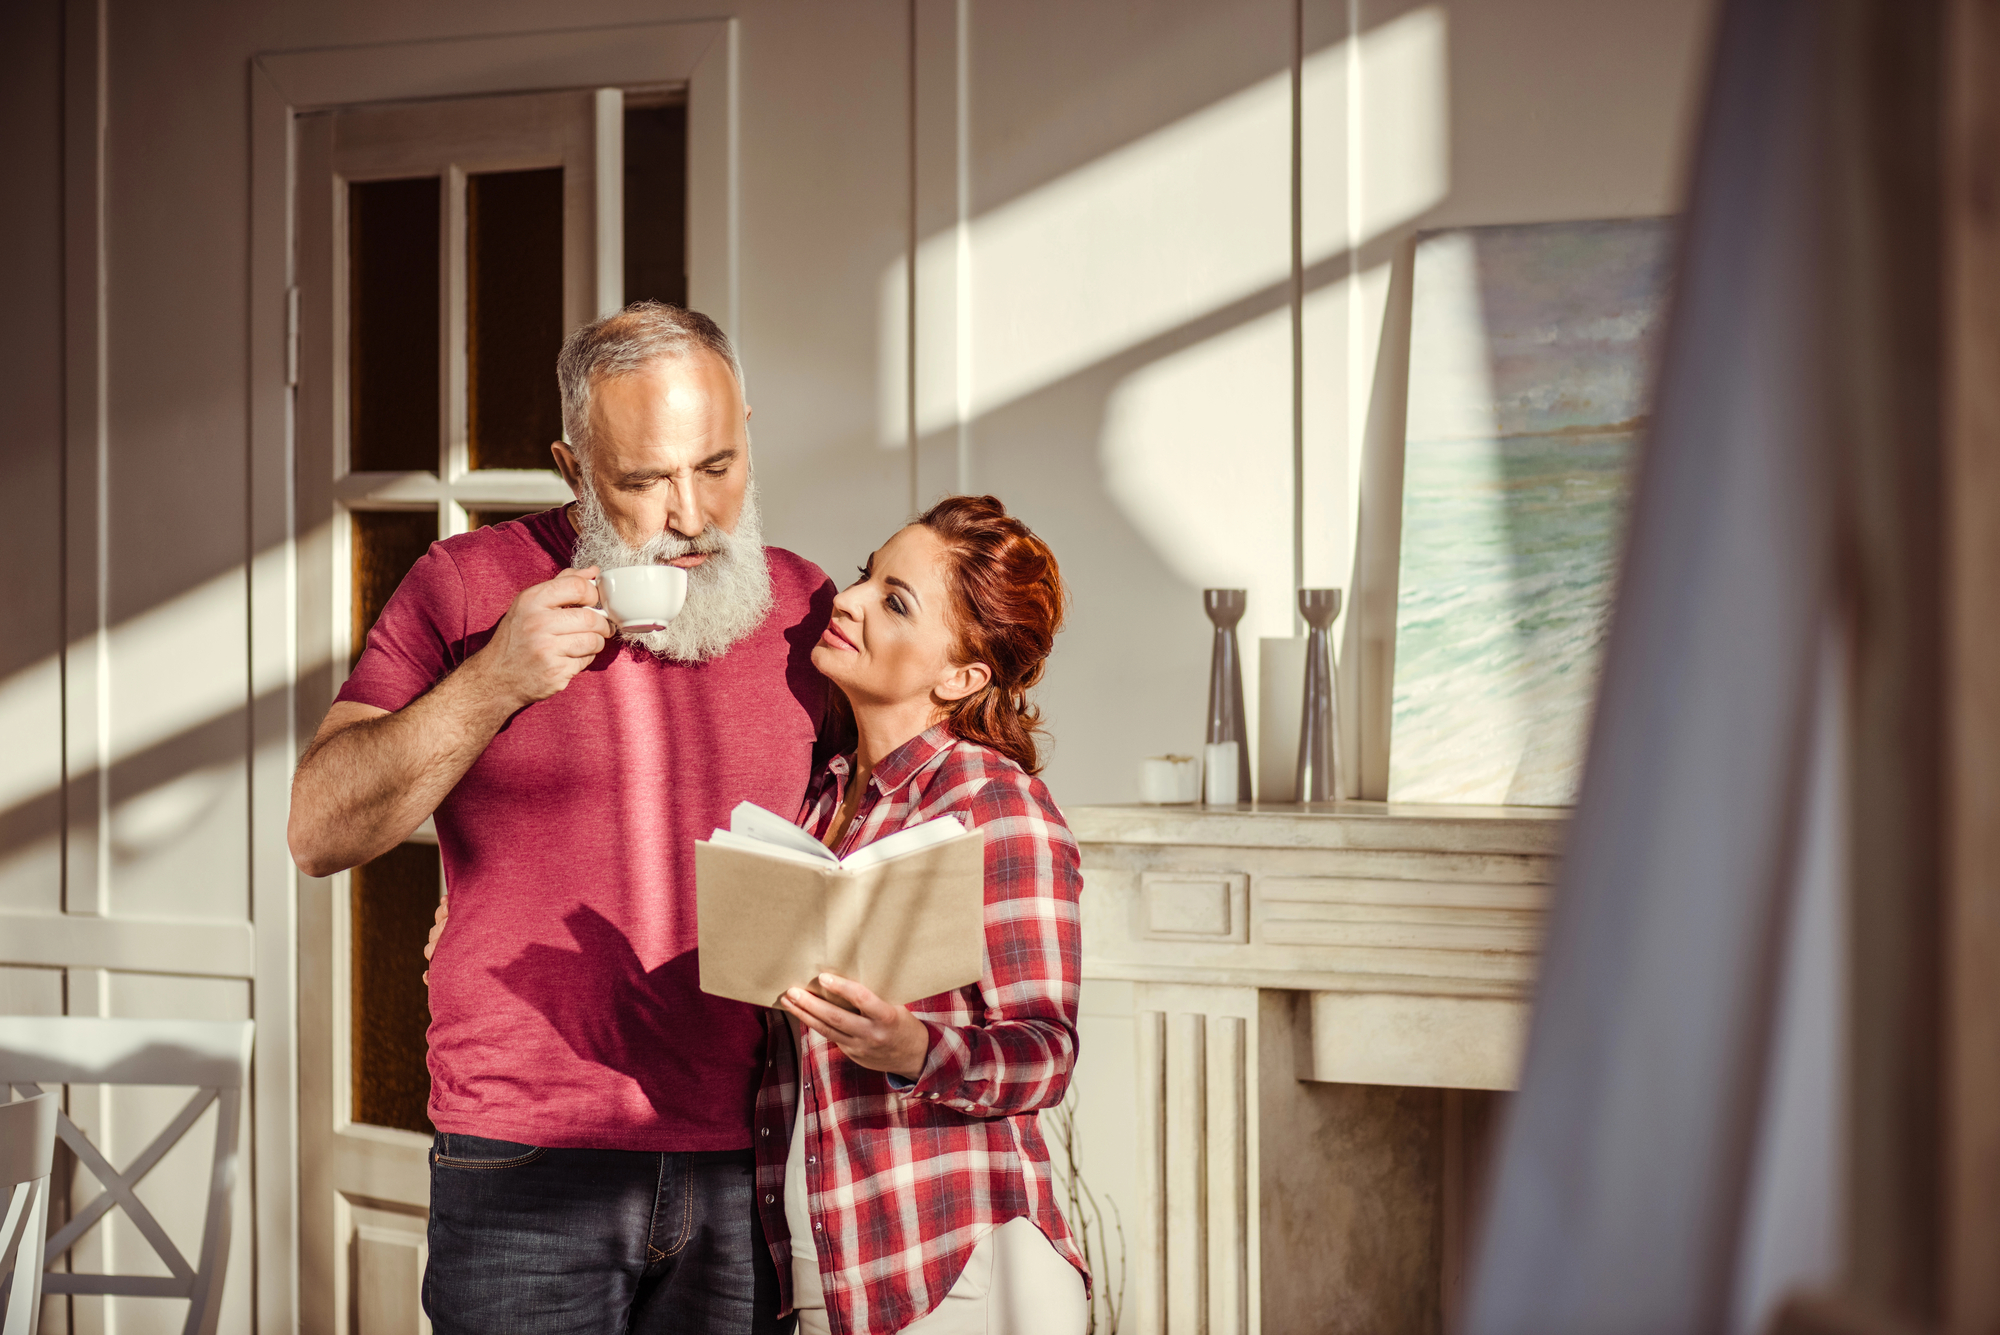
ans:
(437, 930)
(881, 1037)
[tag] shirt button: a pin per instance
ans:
(765, 1132)
(769, 1199)
(810, 1159)
(816, 1226)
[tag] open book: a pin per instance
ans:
(905, 915)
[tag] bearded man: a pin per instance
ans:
(592, 1170)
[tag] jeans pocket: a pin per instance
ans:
(451, 1150)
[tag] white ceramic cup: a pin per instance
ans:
(642, 599)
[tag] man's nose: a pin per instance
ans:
(684, 514)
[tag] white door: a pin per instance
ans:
(444, 249)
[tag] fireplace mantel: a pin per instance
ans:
(1313, 991)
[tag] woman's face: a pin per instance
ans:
(890, 639)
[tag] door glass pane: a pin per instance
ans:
(386, 544)
(514, 316)
(392, 321)
(656, 204)
(392, 900)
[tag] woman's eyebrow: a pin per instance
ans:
(897, 583)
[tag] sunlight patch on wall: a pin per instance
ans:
(174, 667)
(1404, 134)
(1164, 231)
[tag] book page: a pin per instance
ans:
(904, 841)
(731, 839)
(753, 821)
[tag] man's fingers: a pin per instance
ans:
(579, 644)
(575, 621)
(571, 588)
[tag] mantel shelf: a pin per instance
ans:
(1334, 826)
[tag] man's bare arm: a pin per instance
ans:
(371, 777)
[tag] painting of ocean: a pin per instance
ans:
(1531, 357)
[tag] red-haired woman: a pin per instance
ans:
(917, 1193)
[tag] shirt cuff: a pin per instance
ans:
(940, 1080)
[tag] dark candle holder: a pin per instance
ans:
(1225, 680)
(1319, 720)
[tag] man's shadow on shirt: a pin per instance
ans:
(614, 1012)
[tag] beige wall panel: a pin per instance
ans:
(31, 351)
(175, 271)
(27, 991)
(825, 223)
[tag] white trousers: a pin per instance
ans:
(1014, 1283)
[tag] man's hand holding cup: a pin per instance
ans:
(551, 632)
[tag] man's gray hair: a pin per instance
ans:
(642, 333)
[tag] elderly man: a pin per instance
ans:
(592, 1170)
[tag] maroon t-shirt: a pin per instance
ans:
(565, 1007)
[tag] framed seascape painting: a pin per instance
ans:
(1532, 351)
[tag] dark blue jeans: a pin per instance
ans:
(528, 1241)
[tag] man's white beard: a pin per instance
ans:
(728, 595)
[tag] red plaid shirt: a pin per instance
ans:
(905, 1181)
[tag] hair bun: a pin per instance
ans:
(1008, 603)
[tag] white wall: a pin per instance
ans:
(1105, 289)
(1101, 197)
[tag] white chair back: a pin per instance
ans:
(27, 1152)
(214, 1057)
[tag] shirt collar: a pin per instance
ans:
(905, 762)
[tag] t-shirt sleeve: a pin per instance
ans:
(418, 639)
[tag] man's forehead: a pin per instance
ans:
(669, 415)
(682, 372)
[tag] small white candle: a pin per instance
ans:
(1220, 762)
(1170, 780)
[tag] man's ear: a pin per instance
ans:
(962, 680)
(566, 464)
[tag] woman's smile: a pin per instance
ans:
(833, 638)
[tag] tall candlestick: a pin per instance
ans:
(1225, 682)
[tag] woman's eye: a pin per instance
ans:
(895, 604)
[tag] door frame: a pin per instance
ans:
(295, 1242)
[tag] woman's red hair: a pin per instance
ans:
(1007, 603)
